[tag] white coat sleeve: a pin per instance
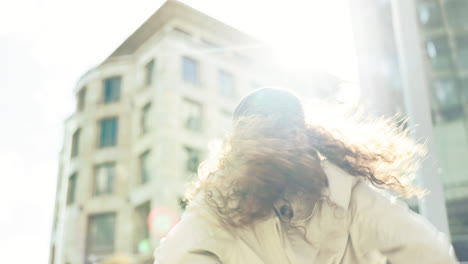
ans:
(383, 224)
(196, 239)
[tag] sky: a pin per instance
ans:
(46, 45)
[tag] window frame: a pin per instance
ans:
(187, 166)
(113, 96)
(146, 118)
(90, 239)
(144, 178)
(150, 67)
(81, 99)
(112, 143)
(138, 212)
(71, 188)
(75, 144)
(188, 104)
(110, 179)
(185, 74)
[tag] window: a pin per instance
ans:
(192, 159)
(439, 52)
(456, 13)
(429, 14)
(112, 89)
(141, 232)
(71, 189)
(104, 178)
(75, 143)
(462, 51)
(192, 115)
(100, 235)
(108, 135)
(226, 84)
(149, 69)
(146, 120)
(458, 221)
(190, 70)
(447, 99)
(145, 167)
(81, 99)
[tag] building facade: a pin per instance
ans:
(443, 26)
(144, 119)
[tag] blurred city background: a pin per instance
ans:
(109, 107)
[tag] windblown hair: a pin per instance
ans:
(272, 149)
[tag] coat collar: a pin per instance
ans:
(340, 184)
(339, 189)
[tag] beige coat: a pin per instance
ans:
(362, 225)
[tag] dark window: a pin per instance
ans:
(430, 15)
(145, 167)
(457, 11)
(462, 51)
(141, 232)
(190, 70)
(81, 99)
(75, 143)
(109, 132)
(439, 52)
(226, 84)
(192, 115)
(112, 89)
(100, 235)
(71, 189)
(447, 99)
(146, 120)
(104, 177)
(149, 68)
(458, 220)
(192, 159)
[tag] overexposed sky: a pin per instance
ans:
(45, 45)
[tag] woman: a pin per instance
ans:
(285, 191)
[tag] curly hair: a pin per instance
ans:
(272, 149)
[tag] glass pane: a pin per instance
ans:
(447, 99)
(429, 14)
(192, 115)
(146, 119)
(190, 70)
(112, 89)
(81, 99)
(145, 167)
(101, 234)
(71, 188)
(439, 52)
(462, 51)
(226, 84)
(75, 143)
(457, 11)
(141, 231)
(104, 178)
(108, 136)
(149, 72)
(193, 159)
